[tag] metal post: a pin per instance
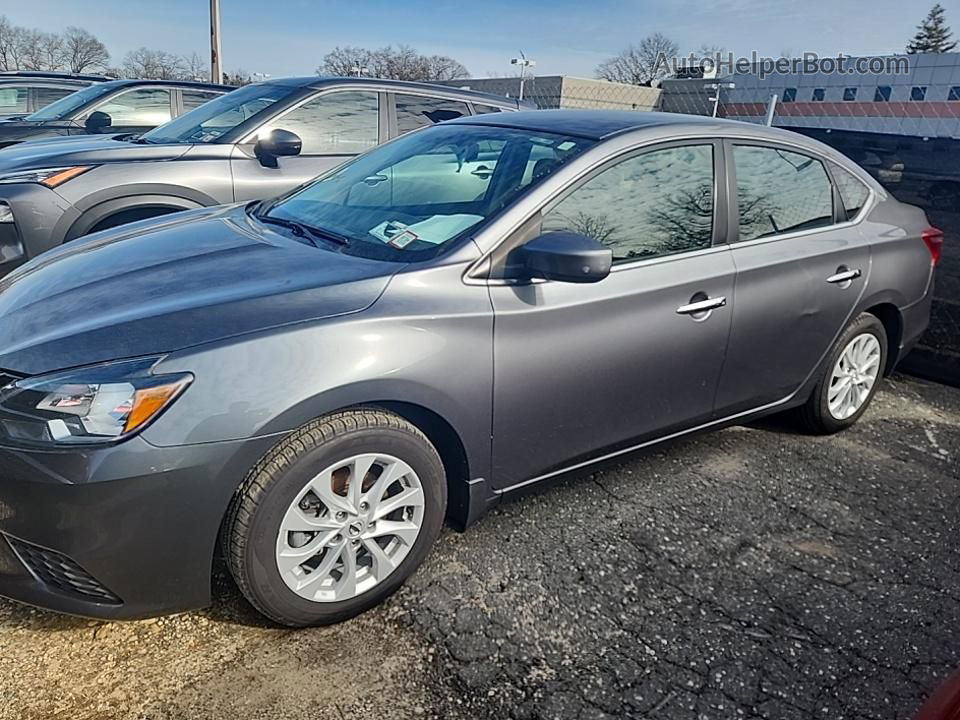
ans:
(771, 109)
(216, 66)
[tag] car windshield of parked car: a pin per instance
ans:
(66, 106)
(409, 199)
(212, 120)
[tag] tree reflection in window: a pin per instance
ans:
(650, 205)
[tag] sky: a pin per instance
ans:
(290, 37)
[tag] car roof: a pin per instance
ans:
(320, 82)
(601, 124)
(168, 83)
(51, 75)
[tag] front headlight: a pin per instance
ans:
(103, 403)
(51, 177)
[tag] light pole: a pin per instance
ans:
(216, 66)
(524, 63)
(717, 87)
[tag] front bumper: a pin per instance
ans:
(40, 217)
(121, 532)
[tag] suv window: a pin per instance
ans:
(414, 112)
(195, 98)
(339, 123)
(649, 205)
(144, 107)
(43, 96)
(13, 100)
(853, 191)
(484, 109)
(779, 191)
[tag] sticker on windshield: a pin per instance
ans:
(434, 230)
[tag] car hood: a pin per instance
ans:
(82, 150)
(163, 285)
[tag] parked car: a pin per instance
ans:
(23, 92)
(448, 319)
(113, 107)
(255, 142)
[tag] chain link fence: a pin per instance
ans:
(902, 126)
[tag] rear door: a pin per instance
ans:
(334, 126)
(801, 269)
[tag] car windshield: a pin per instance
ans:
(411, 198)
(213, 119)
(66, 106)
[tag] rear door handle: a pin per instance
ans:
(702, 306)
(842, 277)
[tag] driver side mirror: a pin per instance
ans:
(565, 257)
(277, 143)
(97, 121)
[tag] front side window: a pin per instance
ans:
(853, 192)
(339, 123)
(409, 199)
(415, 112)
(144, 107)
(13, 100)
(214, 119)
(779, 191)
(654, 204)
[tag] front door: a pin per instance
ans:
(583, 369)
(333, 127)
(800, 274)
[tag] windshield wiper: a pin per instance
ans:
(304, 231)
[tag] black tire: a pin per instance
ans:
(253, 522)
(815, 415)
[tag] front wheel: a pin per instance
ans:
(336, 517)
(850, 378)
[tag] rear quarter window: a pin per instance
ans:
(853, 192)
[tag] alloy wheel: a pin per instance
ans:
(854, 375)
(350, 527)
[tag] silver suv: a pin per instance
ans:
(255, 142)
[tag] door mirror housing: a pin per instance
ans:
(97, 121)
(565, 257)
(277, 143)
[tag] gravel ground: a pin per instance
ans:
(751, 573)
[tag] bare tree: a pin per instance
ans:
(196, 68)
(40, 50)
(83, 51)
(154, 65)
(642, 63)
(400, 63)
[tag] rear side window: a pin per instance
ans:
(43, 96)
(340, 123)
(13, 100)
(779, 191)
(484, 109)
(415, 112)
(195, 98)
(853, 192)
(650, 205)
(146, 107)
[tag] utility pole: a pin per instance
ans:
(216, 65)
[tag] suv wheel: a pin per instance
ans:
(850, 378)
(336, 517)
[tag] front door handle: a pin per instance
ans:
(702, 306)
(844, 277)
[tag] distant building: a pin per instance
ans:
(551, 92)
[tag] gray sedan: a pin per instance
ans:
(318, 380)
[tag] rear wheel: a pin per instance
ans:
(850, 378)
(336, 517)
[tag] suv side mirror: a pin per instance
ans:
(97, 121)
(565, 257)
(277, 143)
